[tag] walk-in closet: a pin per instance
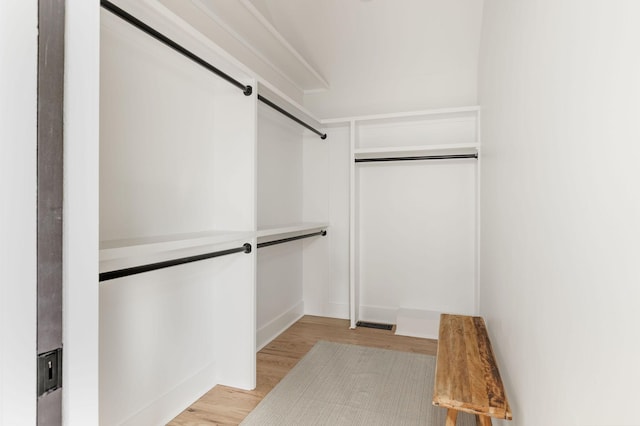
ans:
(197, 193)
(228, 211)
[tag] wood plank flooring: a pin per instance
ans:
(223, 405)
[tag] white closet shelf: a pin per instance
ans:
(114, 249)
(293, 228)
(400, 151)
(401, 115)
(116, 254)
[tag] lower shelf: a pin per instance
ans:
(129, 253)
(289, 230)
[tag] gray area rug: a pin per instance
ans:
(337, 384)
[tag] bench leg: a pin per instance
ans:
(452, 416)
(483, 420)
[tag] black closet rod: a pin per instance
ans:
(247, 90)
(286, 240)
(294, 118)
(119, 273)
(424, 157)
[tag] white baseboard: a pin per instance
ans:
(329, 310)
(275, 327)
(418, 323)
(378, 314)
(337, 310)
(172, 403)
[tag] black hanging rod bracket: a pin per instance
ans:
(416, 158)
(119, 273)
(291, 116)
(125, 16)
(286, 240)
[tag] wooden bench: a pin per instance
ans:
(467, 376)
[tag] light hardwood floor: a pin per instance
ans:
(223, 405)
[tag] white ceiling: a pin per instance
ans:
(383, 55)
(351, 57)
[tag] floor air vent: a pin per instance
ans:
(374, 325)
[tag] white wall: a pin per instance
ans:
(560, 94)
(416, 227)
(326, 199)
(80, 256)
(279, 169)
(157, 147)
(279, 267)
(18, 67)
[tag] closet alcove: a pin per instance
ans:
(414, 194)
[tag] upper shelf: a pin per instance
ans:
(432, 113)
(423, 131)
(414, 150)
